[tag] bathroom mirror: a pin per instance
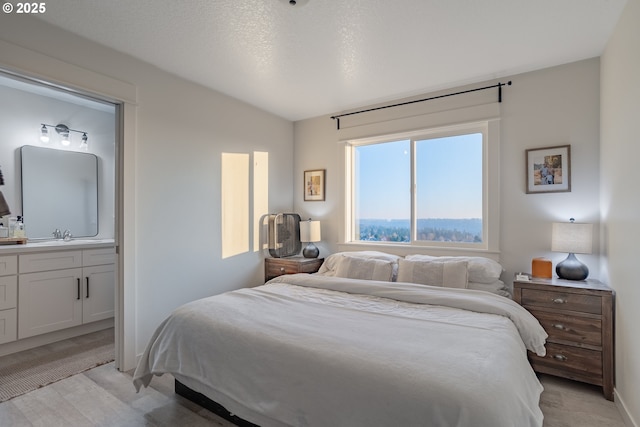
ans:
(59, 191)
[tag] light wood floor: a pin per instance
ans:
(105, 397)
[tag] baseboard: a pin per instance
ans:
(626, 417)
(51, 337)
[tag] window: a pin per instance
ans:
(421, 188)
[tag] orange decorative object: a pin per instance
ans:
(541, 267)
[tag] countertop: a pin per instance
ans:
(56, 245)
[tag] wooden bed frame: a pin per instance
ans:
(205, 402)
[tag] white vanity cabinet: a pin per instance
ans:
(8, 298)
(62, 289)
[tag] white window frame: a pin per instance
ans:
(490, 130)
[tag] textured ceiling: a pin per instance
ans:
(324, 56)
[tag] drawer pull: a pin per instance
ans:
(559, 326)
(560, 357)
(559, 301)
(281, 269)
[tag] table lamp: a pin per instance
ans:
(573, 238)
(309, 233)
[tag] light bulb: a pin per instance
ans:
(65, 140)
(83, 145)
(44, 134)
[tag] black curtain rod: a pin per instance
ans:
(499, 86)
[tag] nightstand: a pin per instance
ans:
(274, 267)
(578, 316)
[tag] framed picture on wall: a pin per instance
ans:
(314, 185)
(549, 169)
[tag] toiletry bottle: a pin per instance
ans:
(19, 231)
(13, 222)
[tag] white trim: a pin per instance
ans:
(404, 250)
(126, 242)
(490, 129)
(31, 64)
(423, 121)
(626, 416)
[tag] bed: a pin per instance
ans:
(371, 349)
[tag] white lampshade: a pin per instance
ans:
(310, 231)
(572, 237)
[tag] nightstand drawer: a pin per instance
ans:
(579, 363)
(562, 301)
(277, 269)
(579, 330)
(274, 267)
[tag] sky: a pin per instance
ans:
(449, 178)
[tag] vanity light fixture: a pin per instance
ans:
(64, 132)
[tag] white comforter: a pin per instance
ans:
(308, 350)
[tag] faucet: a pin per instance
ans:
(67, 235)
(57, 234)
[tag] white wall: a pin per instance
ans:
(620, 200)
(182, 129)
(554, 106)
(550, 107)
(22, 113)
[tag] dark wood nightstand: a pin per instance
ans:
(578, 316)
(274, 267)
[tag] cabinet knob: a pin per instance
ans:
(559, 326)
(281, 269)
(559, 301)
(560, 357)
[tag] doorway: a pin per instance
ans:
(29, 106)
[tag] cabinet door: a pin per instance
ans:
(8, 329)
(49, 301)
(99, 284)
(8, 292)
(8, 265)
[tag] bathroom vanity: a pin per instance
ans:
(54, 290)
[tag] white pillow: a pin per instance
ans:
(366, 269)
(481, 270)
(328, 267)
(453, 274)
